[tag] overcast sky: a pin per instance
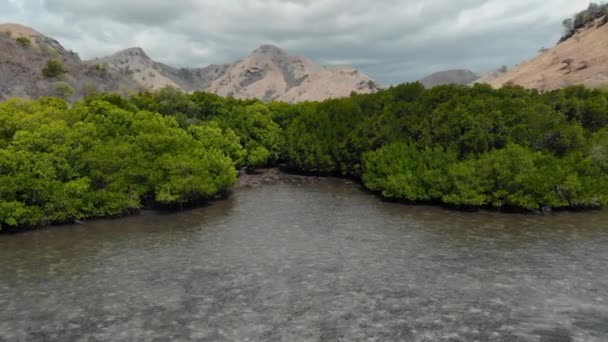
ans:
(393, 41)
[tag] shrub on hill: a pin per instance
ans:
(583, 18)
(53, 68)
(63, 90)
(24, 41)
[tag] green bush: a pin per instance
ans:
(53, 68)
(24, 41)
(60, 164)
(89, 88)
(462, 146)
(63, 90)
(102, 68)
(583, 18)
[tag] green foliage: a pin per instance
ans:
(403, 171)
(251, 121)
(583, 18)
(212, 136)
(462, 146)
(102, 68)
(53, 68)
(60, 164)
(25, 42)
(63, 90)
(89, 88)
(467, 147)
(261, 136)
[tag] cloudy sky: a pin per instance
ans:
(391, 40)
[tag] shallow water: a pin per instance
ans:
(307, 259)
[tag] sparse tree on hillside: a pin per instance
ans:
(63, 90)
(102, 68)
(568, 24)
(25, 42)
(53, 68)
(581, 19)
(89, 88)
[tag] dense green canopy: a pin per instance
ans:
(61, 164)
(471, 147)
(463, 146)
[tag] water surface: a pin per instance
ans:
(307, 259)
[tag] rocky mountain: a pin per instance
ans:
(24, 53)
(581, 58)
(269, 73)
(462, 77)
(136, 65)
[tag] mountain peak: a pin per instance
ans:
(268, 49)
(36, 39)
(268, 73)
(134, 51)
(582, 59)
(18, 30)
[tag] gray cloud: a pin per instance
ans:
(153, 13)
(391, 40)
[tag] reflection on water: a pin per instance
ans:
(310, 260)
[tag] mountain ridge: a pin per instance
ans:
(24, 53)
(579, 59)
(268, 73)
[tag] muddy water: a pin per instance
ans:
(306, 259)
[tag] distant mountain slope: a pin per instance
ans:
(269, 73)
(136, 64)
(462, 77)
(489, 76)
(22, 62)
(580, 59)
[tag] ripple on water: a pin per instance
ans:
(289, 258)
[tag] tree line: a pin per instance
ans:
(462, 146)
(585, 17)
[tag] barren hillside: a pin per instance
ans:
(269, 73)
(134, 63)
(580, 59)
(22, 62)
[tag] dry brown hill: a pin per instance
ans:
(582, 59)
(134, 63)
(269, 73)
(22, 61)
